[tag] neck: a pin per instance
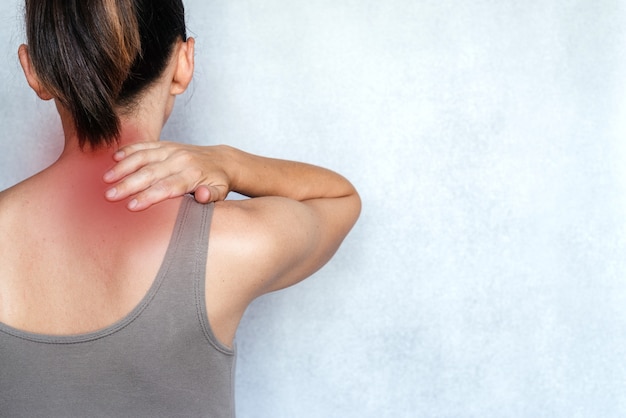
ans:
(130, 133)
(79, 171)
(132, 130)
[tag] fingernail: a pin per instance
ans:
(111, 193)
(119, 155)
(108, 176)
(133, 204)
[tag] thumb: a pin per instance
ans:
(202, 194)
(208, 194)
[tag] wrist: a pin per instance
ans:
(230, 160)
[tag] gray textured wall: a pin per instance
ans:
(487, 275)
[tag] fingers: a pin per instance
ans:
(167, 189)
(144, 165)
(151, 172)
(129, 150)
(138, 181)
(158, 192)
(152, 184)
(134, 162)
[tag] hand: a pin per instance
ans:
(151, 172)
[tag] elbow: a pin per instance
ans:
(358, 205)
(355, 207)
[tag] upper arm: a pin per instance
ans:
(270, 243)
(264, 244)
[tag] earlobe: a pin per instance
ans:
(31, 77)
(184, 67)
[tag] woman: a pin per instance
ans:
(118, 312)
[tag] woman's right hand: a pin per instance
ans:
(150, 172)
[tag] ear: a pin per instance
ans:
(184, 67)
(31, 77)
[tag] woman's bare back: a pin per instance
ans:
(72, 261)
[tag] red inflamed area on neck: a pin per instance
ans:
(89, 218)
(81, 190)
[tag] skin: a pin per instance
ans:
(85, 237)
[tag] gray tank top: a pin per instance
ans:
(161, 360)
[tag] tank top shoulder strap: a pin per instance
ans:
(183, 287)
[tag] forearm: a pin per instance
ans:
(150, 172)
(256, 176)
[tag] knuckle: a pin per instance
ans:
(161, 188)
(167, 188)
(148, 173)
(143, 156)
(183, 157)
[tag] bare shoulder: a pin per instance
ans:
(19, 199)
(24, 209)
(249, 249)
(269, 243)
(14, 206)
(260, 245)
(6, 217)
(248, 236)
(24, 216)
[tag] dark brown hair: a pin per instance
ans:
(96, 56)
